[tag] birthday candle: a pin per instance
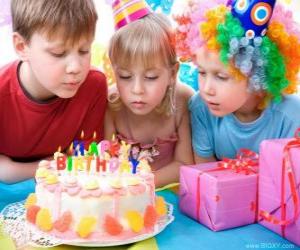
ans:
(71, 149)
(93, 149)
(88, 162)
(61, 163)
(134, 163)
(70, 165)
(76, 144)
(100, 164)
(113, 164)
(104, 146)
(78, 163)
(81, 147)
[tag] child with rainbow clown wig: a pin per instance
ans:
(248, 61)
(147, 108)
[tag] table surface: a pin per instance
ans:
(186, 233)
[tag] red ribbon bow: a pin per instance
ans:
(245, 161)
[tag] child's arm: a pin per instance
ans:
(11, 171)
(183, 156)
(199, 159)
(183, 152)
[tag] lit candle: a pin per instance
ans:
(93, 149)
(114, 147)
(100, 164)
(70, 165)
(113, 164)
(81, 143)
(57, 153)
(71, 149)
(61, 162)
(125, 166)
(134, 163)
(104, 146)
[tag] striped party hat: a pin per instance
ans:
(127, 11)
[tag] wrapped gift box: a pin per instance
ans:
(278, 204)
(218, 198)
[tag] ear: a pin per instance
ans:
(20, 46)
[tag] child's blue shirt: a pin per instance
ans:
(224, 136)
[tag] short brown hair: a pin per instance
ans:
(76, 18)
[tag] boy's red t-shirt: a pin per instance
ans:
(31, 130)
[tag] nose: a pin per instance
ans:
(207, 85)
(137, 87)
(73, 65)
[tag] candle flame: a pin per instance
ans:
(113, 138)
(82, 134)
(94, 135)
(71, 148)
(59, 149)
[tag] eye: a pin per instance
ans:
(201, 73)
(222, 77)
(151, 78)
(84, 52)
(124, 77)
(55, 54)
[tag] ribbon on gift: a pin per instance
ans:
(246, 162)
(287, 169)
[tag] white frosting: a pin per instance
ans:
(115, 197)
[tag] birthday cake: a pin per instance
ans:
(104, 194)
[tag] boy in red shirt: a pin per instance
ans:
(51, 95)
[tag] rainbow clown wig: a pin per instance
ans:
(262, 47)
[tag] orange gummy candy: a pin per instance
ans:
(150, 216)
(32, 212)
(112, 226)
(63, 223)
(160, 206)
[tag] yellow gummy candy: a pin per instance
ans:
(135, 220)
(132, 181)
(86, 226)
(41, 172)
(43, 220)
(115, 183)
(51, 179)
(160, 206)
(31, 200)
(92, 184)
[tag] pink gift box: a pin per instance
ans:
(272, 213)
(219, 199)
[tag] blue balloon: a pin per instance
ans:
(165, 5)
(188, 74)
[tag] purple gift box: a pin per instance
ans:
(218, 198)
(279, 185)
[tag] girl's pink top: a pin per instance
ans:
(163, 146)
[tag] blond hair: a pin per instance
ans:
(145, 41)
(75, 18)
